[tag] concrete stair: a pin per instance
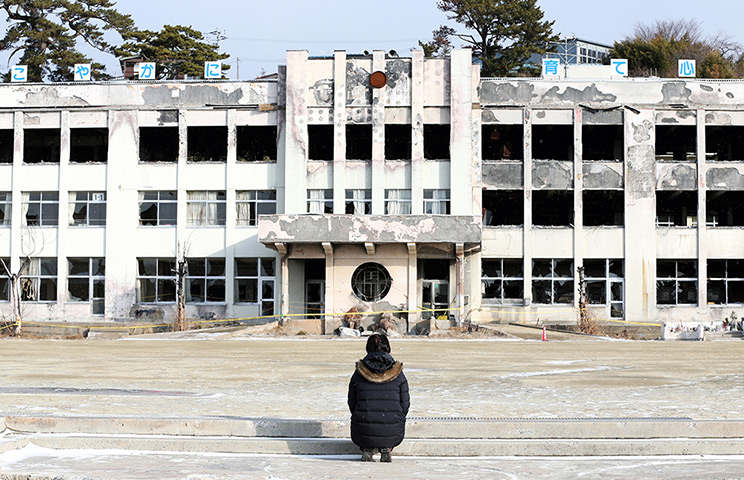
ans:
(424, 436)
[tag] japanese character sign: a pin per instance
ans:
(619, 67)
(19, 73)
(82, 72)
(550, 67)
(212, 70)
(146, 71)
(686, 68)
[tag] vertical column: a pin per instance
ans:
(295, 153)
(284, 266)
(62, 216)
(461, 142)
(231, 182)
(378, 138)
(412, 285)
(702, 215)
(16, 208)
(181, 213)
(460, 262)
(339, 131)
(640, 212)
(527, 228)
(417, 132)
(329, 306)
(281, 139)
(578, 221)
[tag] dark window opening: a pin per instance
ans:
(435, 269)
(207, 144)
(552, 142)
(41, 145)
(359, 142)
(371, 282)
(676, 143)
(88, 145)
(437, 142)
(256, 143)
(397, 142)
(502, 142)
(724, 142)
(603, 142)
(6, 146)
(552, 208)
(502, 280)
(158, 144)
(315, 269)
(320, 142)
(676, 208)
(603, 208)
(434, 275)
(726, 281)
(676, 282)
(725, 209)
(503, 207)
(552, 281)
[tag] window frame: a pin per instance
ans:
(91, 199)
(41, 202)
(326, 203)
(553, 279)
(608, 281)
(434, 200)
(677, 279)
(96, 302)
(6, 207)
(208, 280)
(725, 279)
(253, 206)
(37, 279)
(157, 279)
(262, 278)
(352, 203)
(502, 300)
(403, 203)
(368, 289)
(4, 281)
(159, 220)
(219, 220)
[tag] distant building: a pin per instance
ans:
(575, 51)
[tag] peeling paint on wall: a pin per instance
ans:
(503, 175)
(676, 177)
(601, 176)
(724, 178)
(398, 91)
(323, 91)
(195, 95)
(507, 93)
(642, 132)
(547, 174)
(641, 161)
(717, 118)
(358, 89)
(613, 117)
(675, 92)
(590, 94)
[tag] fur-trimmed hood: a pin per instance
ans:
(379, 367)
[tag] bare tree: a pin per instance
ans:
(18, 288)
(181, 270)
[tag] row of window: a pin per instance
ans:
(397, 201)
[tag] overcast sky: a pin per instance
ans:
(259, 32)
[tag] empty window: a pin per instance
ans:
(371, 282)
(256, 143)
(436, 202)
(725, 209)
(676, 282)
(88, 145)
(359, 142)
(603, 142)
(552, 208)
(552, 281)
(205, 281)
(156, 280)
(207, 144)
(676, 208)
(254, 282)
(552, 142)
(676, 143)
(503, 207)
(5, 204)
(6, 145)
(726, 281)
(320, 142)
(41, 145)
(724, 142)
(437, 142)
(604, 284)
(397, 142)
(398, 202)
(320, 201)
(502, 142)
(86, 282)
(502, 280)
(158, 144)
(358, 202)
(206, 208)
(603, 208)
(41, 208)
(435, 300)
(4, 280)
(39, 280)
(252, 203)
(87, 209)
(158, 208)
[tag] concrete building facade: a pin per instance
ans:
(377, 183)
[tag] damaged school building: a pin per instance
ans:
(378, 183)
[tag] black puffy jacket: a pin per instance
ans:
(379, 401)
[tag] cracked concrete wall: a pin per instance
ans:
(552, 174)
(676, 117)
(676, 177)
(358, 88)
(730, 177)
(602, 175)
(508, 176)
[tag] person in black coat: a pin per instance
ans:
(378, 400)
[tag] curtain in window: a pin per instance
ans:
(358, 198)
(316, 201)
(196, 211)
(243, 207)
(398, 202)
(439, 204)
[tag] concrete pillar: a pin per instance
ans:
(378, 138)
(527, 228)
(461, 132)
(232, 183)
(417, 132)
(63, 221)
(329, 306)
(16, 207)
(578, 237)
(413, 317)
(702, 216)
(460, 262)
(339, 131)
(284, 267)
(181, 222)
(281, 139)
(296, 140)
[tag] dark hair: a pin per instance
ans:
(378, 343)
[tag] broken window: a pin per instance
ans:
(252, 203)
(205, 281)
(158, 208)
(603, 142)
(320, 201)
(256, 143)
(41, 208)
(552, 208)
(436, 202)
(676, 282)
(604, 284)
(398, 202)
(603, 208)
(206, 208)
(552, 281)
(398, 142)
(502, 142)
(437, 142)
(254, 282)
(724, 142)
(726, 281)
(206, 144)
(676, 208)
(158, 144)
(725, 209)
(358, 202)
(156, 280)
(552, 142)
(86, 282)
(358, 142)
(39, 280)
(4, 281)
(6, 145)
(434, 287)
(676, 143)
(320, 142)
(503, 207)
(87, 209)
(88, 145)
(5, 204)
(502, 280)
(41, 145)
